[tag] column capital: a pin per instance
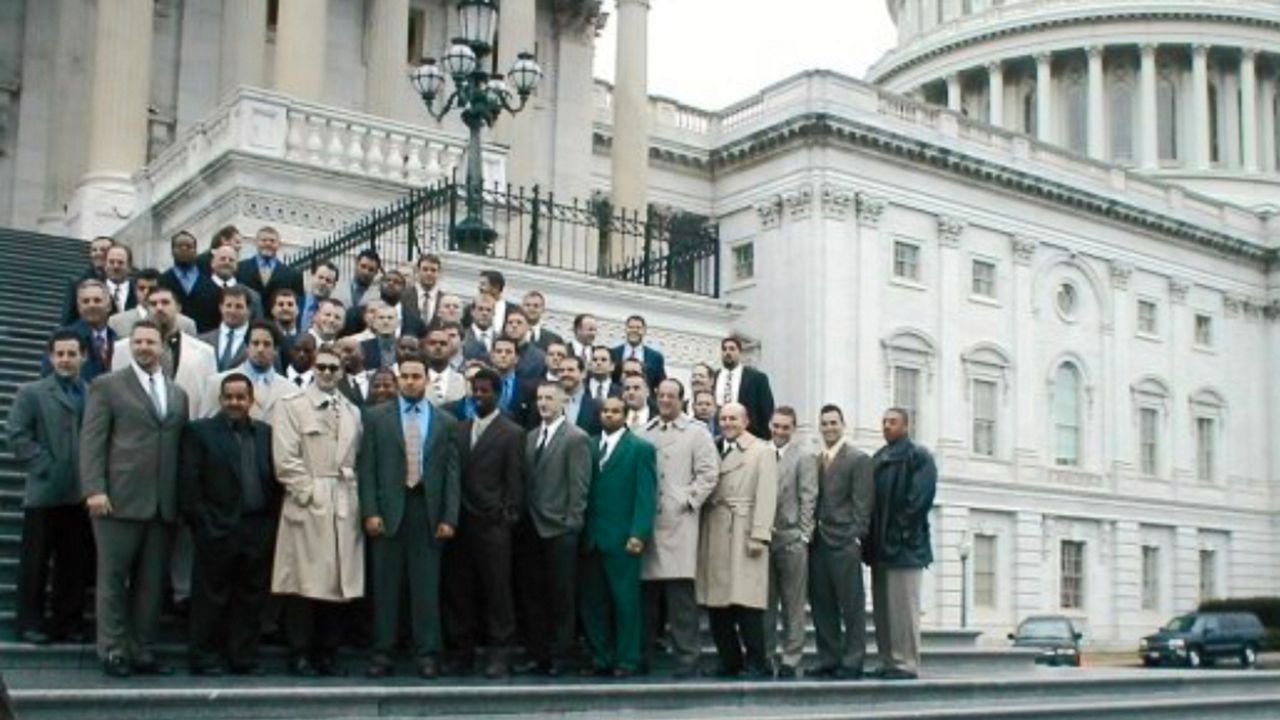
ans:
(1094, 51)
(1249, 54)
(871, 209)
(1200, 50)
(995, 67)
(1043, 57)
(1148, 48)
(1024, 249)
(950, 229)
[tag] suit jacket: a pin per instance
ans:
(44, 434)
(621, 503)
(381, 468)
(210, 483)
(655, 365)
(531, 366)
(797, 496)
(688, 470)
(453, 387)
(411, 300)
(493, 471)
(265, 397)
(558, 479)
(615, 387)
(203, 295)
(284, 276)
(547, 338)
(130, 302)
(122, 323)
(473, 348)
(93, 364)
(206, 306)
(196, 365)
(372, 352)
(239, 353)
(129, 453)
(755, 395)
(466, 315)
(410, 323)
(846, 492)
(588, 417)
(522, 406)
(351, 391)
(351, 297)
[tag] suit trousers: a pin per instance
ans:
(839, 604)
(610, 607)
(788, 593)
(895, 597)
(313, 627)
(478, 577)
(546, 585)
(683, 616)
(59, 536)
(181, 559)
(131, 563)
(230, 584)
(409, 560)
(733, 629)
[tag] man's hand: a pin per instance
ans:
(635, 546)
(755, 548)
(99, 505)
(374, 527)
(444, 531)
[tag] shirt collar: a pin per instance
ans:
(554, 426)
(834, 450)
(144, 377)
(406, 404)
(613, 437)
(264, 261)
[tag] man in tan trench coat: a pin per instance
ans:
(733, 557)
(319, 558)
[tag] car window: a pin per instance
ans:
(1210, 625)
(1044, 628)
(1181, 624)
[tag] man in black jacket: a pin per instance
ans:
(228, 494)
(744, 385)
(265, 273)
(192, 288)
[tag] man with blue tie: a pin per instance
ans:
(515, 397)
(230, 340)
(264, 272)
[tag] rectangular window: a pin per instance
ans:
(984, 278)
(1208, 575)
(1206, 448)
(906, 261)
(1147, 317)
(1150, 577)
(1204, 330)
(984, 571)
(744, 261)
(1148, 441)
(906, 393)
(984, 417)
(1072, 574)
(417, 28)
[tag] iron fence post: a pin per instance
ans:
(715, 235)
(648, 239)
(535, 217)
(453, 210)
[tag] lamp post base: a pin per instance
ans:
(473, 236)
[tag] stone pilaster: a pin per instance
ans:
(1200, 141)
(386, 75)
(870, 243)
(995, 92)
(1044, 97)
(302, 33)
(1249, 109)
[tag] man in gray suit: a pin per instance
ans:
(557, 462)
(44, 432)
(845, 494)
(688, 470)
(133, 424)
(789, 550)
(144, 282)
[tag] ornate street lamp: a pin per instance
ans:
(480, 96)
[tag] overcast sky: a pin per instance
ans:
(710, 53)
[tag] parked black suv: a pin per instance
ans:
(1202, 638)
(1054, 635)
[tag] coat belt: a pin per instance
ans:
(739, 507)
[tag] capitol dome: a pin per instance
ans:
(1182, 89)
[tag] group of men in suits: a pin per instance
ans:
(507, 484)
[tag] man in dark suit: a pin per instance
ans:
(705, 411)
(120, 287)
(380, 350)
(229, 496)
(190, 286)
(128, 473)
(492, 452)
(531, 363)
(492, 284)
(354, 385)
(515, 396)
(534, 305)
(409, 474)
(600, 382)
(230, 341)
(655, 366)
(579, 408)
(264, 272)
(744, 385)
(424, 296)
(619, 523)
(44, 432)
(93, 304)
(558, 478)
(225, 264)
(96, 271)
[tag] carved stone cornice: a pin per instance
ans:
(1178, 289)
(1121, 271)
(950, 229)
(769, 210)
(871, 209)
(584, 17)
(837, 200)
(1232, 304)
(1024, 249)
(798, 201)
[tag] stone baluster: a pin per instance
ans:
(394, 158)
(355, 148)
(295, 143)
(375, 161)
(315, 140)
(434, 171)
(415, 171)
(336, 150)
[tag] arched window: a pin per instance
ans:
(1167, 114)
(1121, 110)
(1066, 415)
(1215, 147)
(1077, 110)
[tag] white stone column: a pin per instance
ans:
(244, 44)
(1267, 163)
(1186, 569)
(872, 386)
(386, 74)
(1249, 109)
(1044, 97)
(1097, 124)
(949, 395)
(1149, 136)
(630, 154)
(995, 91)
(1027, 422)
(301, 36)
(955, 93)
(1030, 577)
(570, 153)
(1200, 140)
(516, 34)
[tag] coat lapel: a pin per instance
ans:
(553, 443)
(140, 394)
(230, 448)
(56, 392)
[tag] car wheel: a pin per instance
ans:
(1248, 656)
(1193, 658)
(1148, 662)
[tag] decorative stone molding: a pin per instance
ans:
(837, 201)
(298, 212)
(1121, 271)
(1178, 289)
(585, 17)
(798, 202)
(1024, 249)
(950, 229)
(1232, 304)
(769, 211)
(871, 209)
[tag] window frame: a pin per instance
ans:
(915, 247)
(1154, 332)
(749, 246)
(1151, 572)
(991, 574)
(974, 292)
(1080, 414)
(1079, 548)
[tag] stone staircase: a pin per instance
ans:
(34, 272)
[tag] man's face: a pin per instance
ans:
(631, 366)
(729, 354)
(384, 322)
(782, 427)
(733, 421)
(586, 332)
(413, 380)
(704, 407)
(366, 270)
(635, 331)
(98, 251)
(635, 392)
(142, 289)
(406, 346)
(517, 327)
(352, 359)
(164, 309)
(436, 346)
(601, 363)
(533, 306)
(669, 403)
(503, 357)
(455, 340)
(144, 344)
(428, 274)
(302, 354)
(613, 415)
(550, 402)
(328, 371)
(94, 305)
(700, 379)
(482, 312)
(323, 281)
(184, 250)
(383, 387)
(268, 243)
(894, 427)
(487, 288)
(66, 358)
(556, 353)
(486, 396)
(285, 310)
(262, 349)
(451, 308)
(392, 288)
(236, 399)
(117, 266)
(328, 320)
(831, 427)
(570, 377)
(235, 311)
(223, 262)
(234, 242)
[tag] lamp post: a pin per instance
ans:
(964, 582)
(481, 97)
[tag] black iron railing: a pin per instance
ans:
(672, 250)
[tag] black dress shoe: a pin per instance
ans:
(896, 674)
(844, 673)
(151, 667)
(728, 672)
(821, 672)
(379, 669)
(594, 671)
(117, 666)
(786, 672)
(623, 673)
(34, 637)
(329, 667)
(428, 669)
(302, 667)
(496, 669)
(533, 667)
(684, 671)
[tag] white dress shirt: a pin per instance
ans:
(119, 293)
(160, 395)
(608, 442)
(637, 418)
(549, 431)
(237, 340)
(729, 380)
(293, 375)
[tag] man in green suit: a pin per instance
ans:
(619, 521)
(409, 475)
